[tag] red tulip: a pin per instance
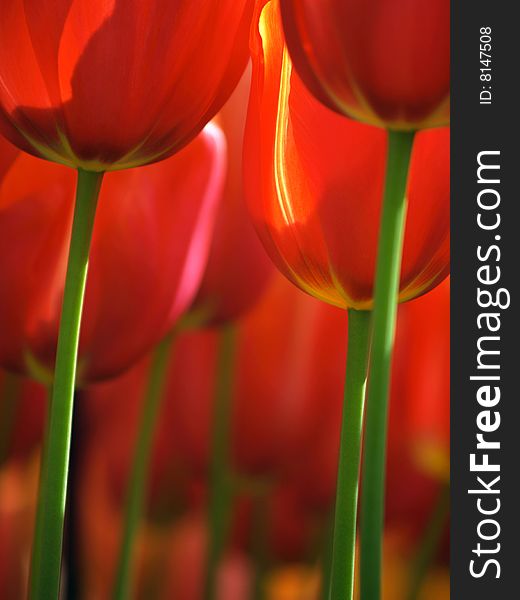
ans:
(315, 180)
(149, 251)
(238, 268)
(385, 62)
(106, 85)
(22, 416)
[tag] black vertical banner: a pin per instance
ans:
(485, 323)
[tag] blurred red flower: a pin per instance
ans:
(385, 62)
(149, 251)
(112, 84)
(314, 182)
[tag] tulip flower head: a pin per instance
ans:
(150, 246)
(113, 84)
(384, 62)
(314, 182)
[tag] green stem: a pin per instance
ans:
(429, 543)
(138, 478)
(220, 494)
(47, 546)
(326, 557)
(385, 312)
(344, 537)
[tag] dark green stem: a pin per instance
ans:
(344, 538)
(385, 311)
(220, 492)
(47, 546)
(429, 543)
(72, 540)
(139, 476)
(326, 557)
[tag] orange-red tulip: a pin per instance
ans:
(314, 182)
(238, 268)
(112, 84)
(149, 251)
(385, 62)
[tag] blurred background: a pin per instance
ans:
(284, 436)
(250, 409)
